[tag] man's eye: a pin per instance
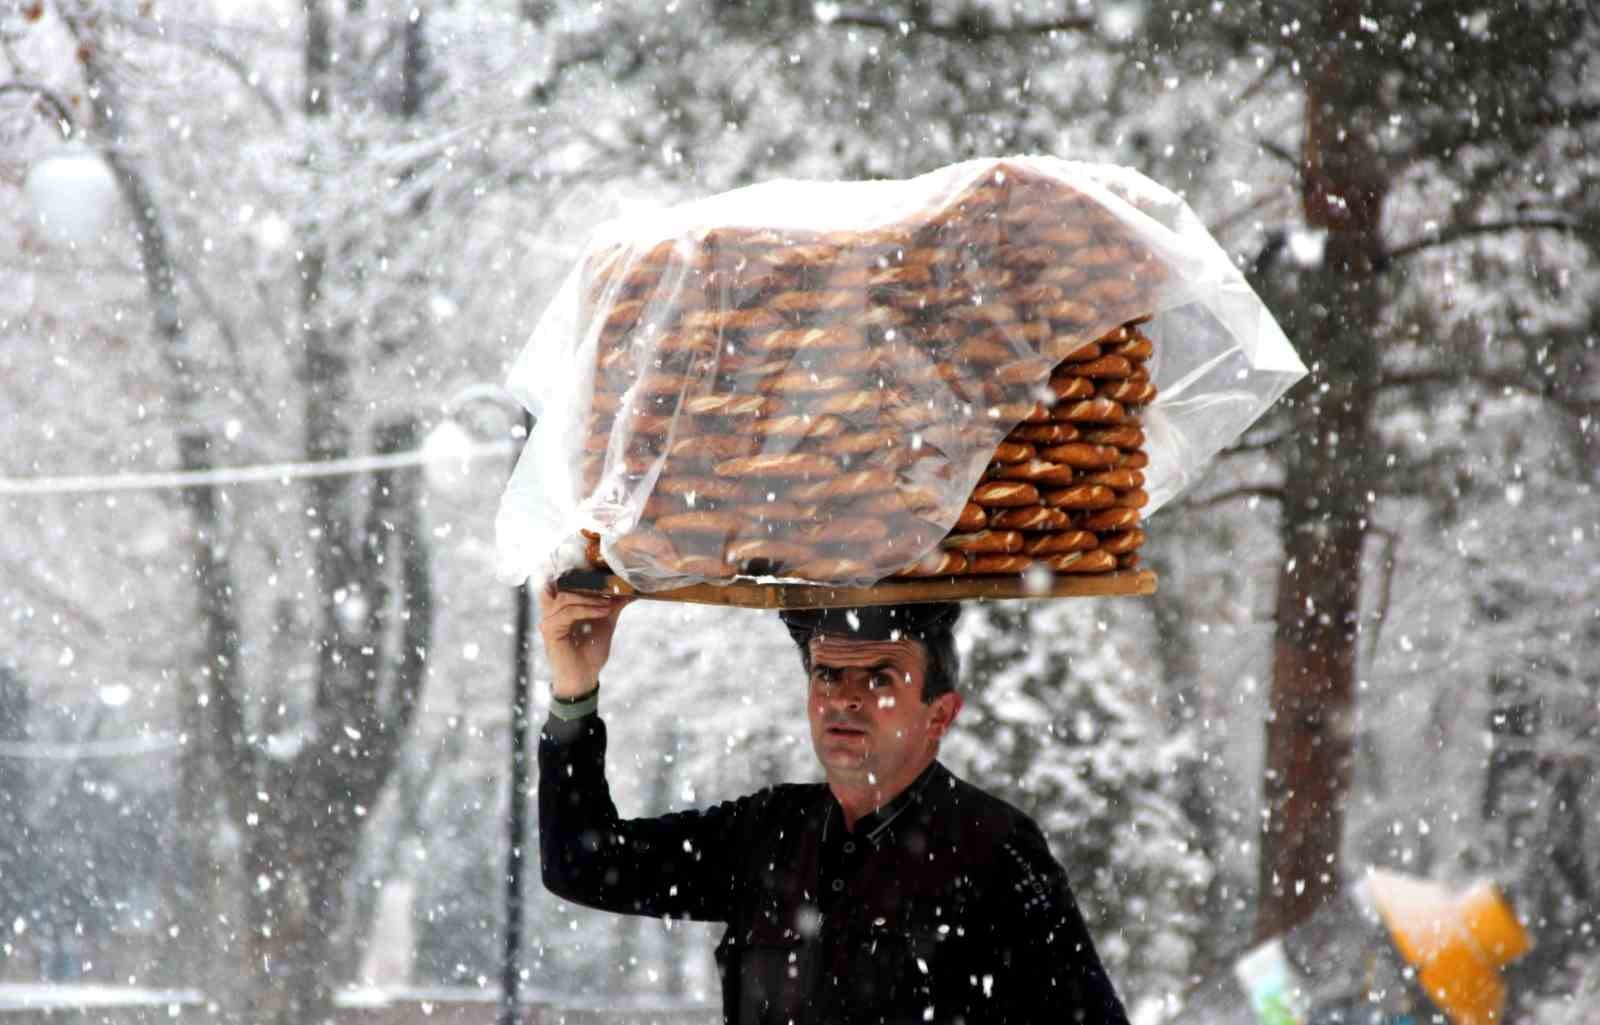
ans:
(882, 680)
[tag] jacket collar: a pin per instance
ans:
(873, 825)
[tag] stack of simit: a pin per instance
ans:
(1065, 487)
(816, 404)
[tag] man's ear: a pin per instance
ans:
(942, 712)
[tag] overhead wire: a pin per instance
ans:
(69, 751)
(267, 473)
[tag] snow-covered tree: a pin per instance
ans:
(1389, 96)
(1065, 717)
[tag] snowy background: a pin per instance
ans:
(257, 260)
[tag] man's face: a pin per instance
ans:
(869, 725)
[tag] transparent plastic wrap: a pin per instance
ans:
(812, 381)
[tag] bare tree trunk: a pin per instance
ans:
(220, 673)
(1330, 481)
(412, 789)
(216, 659)
(301, 839)
(369, 662)
(17, 851)
(366, 698)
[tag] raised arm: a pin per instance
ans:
(674, 865)
(678, 865)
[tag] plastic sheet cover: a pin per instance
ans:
(807, 379)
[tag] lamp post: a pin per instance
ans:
(451, 447)
(516, 819)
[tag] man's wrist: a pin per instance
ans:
(575, 706)
(561, 690)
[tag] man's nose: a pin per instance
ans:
(848, 693)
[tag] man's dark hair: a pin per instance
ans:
(930, 623)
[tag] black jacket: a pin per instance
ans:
(945, 906)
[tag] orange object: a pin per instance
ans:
(1458, 942)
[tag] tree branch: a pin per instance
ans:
(37, 588)
(544, 91)
(970, 27)
(1234, 494)
(1457, 232)
(1248, 93)
(1386, 584)
(1243, 448)
(224, 327)
(1502, 382)
(193, 41)
(48, 97)
(1452, 136)
(1422, 379)
(1273, 149)
(1255, 206)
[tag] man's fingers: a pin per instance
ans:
(567, 615)
(577, 620)
(581, 598)
(558, 598)
(567, 604)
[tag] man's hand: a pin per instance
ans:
(577, 629)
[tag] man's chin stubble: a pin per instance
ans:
(851, 770)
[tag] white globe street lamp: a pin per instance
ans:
(74, 195)
(448, 452)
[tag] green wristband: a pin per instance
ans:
(568, 709)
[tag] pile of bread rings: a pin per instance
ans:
(805, 405)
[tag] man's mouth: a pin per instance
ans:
(845, 729)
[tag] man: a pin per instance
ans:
(894, 892)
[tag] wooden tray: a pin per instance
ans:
(752, 595)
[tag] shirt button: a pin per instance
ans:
(849, 847)
(838, 884)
